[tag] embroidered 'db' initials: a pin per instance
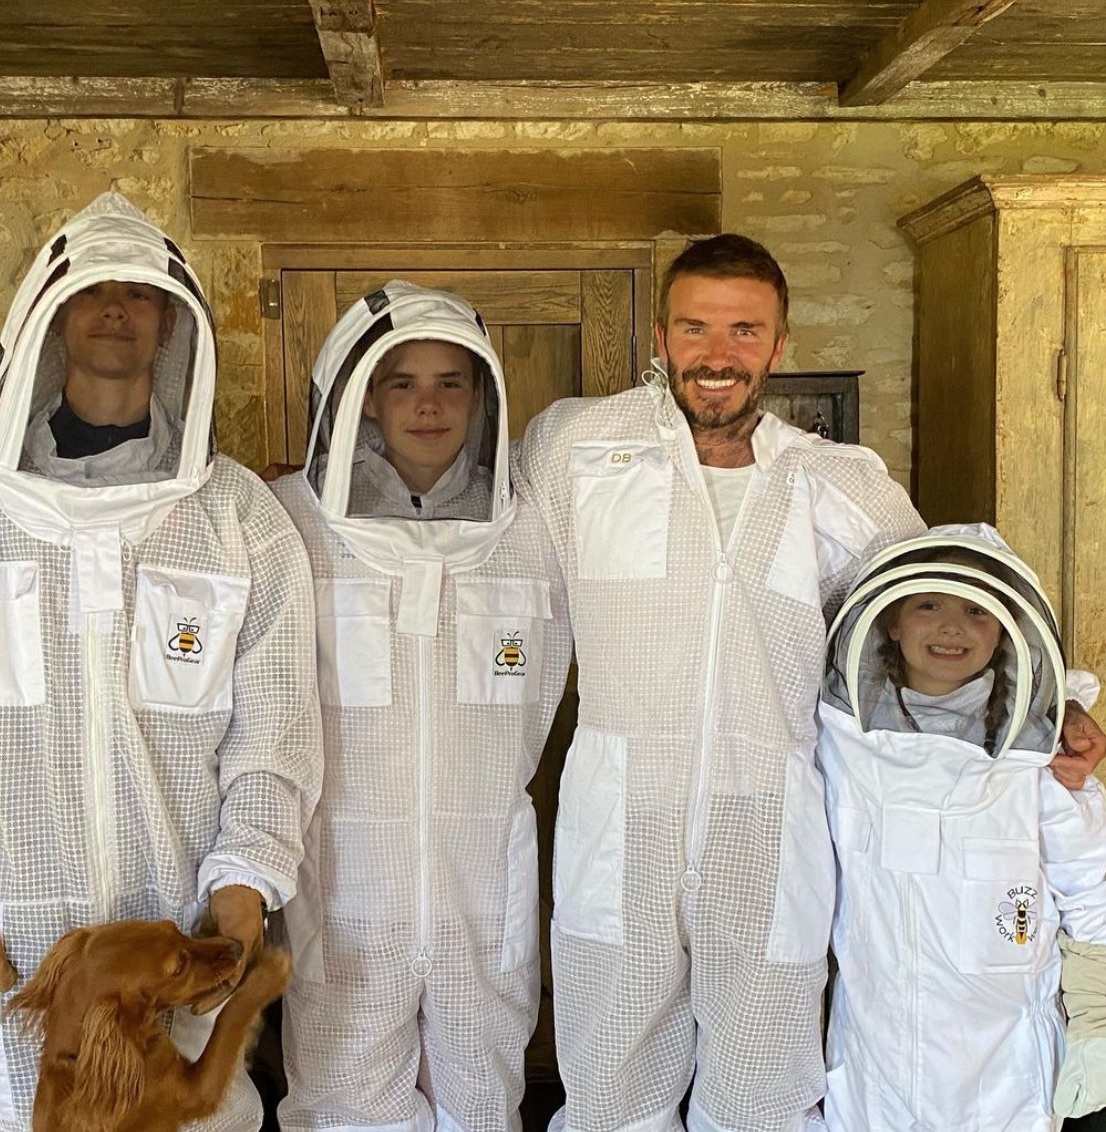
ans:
(621, 457)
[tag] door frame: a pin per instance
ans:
(639, 257)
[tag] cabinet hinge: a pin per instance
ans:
(268, 292)
(1062, 375)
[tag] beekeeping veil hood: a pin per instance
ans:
(470, 506)
(132, 487)
(972, 562)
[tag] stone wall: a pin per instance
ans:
(824, 197)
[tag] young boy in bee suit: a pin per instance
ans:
(960, 857)
(701, 539)
(443, 648)
(158, 718)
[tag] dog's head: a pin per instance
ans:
(96, 995)
(148, 965)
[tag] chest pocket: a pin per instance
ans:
(185, 639)
(1005, 911)
(500, 639)
(621, 497)
(22, 676)
(355, 641)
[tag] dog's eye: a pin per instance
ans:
(181, 964)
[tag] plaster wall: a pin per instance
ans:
(824, 197)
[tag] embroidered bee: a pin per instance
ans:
(511, 653)
(187, 639)
(1022, 913)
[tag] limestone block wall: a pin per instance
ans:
(824, 197)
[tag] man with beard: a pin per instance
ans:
(703, 543)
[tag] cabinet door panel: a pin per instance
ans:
(1085, 458)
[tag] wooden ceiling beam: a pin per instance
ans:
(351, 48)
(927, 35)
(240, 99)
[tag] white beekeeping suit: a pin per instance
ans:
(694, 875)
(159, 727)
(959, 857)
(443, 647)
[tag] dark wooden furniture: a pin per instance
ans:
(826, 402)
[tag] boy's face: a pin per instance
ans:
(112, 329)
(423, 395)
(945, 641)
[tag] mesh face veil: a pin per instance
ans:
(345, 462)
(110, 240)
(1026, 689)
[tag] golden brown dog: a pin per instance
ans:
(107, 1063)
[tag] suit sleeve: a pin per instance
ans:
(270, 759)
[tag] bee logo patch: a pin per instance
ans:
(185, 645)
(511, 659)
(1017, 916)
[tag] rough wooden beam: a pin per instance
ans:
(240, 99)
(447, 194)
(24, 96)
(347, 35)
(735, 102)
(927, 35)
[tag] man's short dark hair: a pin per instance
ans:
(728, 256)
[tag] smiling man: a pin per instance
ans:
(703, 541)
(721, 339)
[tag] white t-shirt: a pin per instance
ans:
(726, 488)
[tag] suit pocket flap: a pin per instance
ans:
(504, 597)
(352, 597)
(992, 858)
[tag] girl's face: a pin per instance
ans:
(945, 641)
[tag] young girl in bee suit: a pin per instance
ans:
(443, 648)
(159, 729)
(961, 860)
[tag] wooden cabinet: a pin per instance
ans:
(827, 403)
(1009, 393)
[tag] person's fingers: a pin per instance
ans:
(237, 912)
(1068, 772)
(1082, 737)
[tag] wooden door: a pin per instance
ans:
(1084, 569)
(575, 324)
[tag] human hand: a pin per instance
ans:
(237, 913)
(1084, 746)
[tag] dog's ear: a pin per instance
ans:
(35, 998)
(110, 1072)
